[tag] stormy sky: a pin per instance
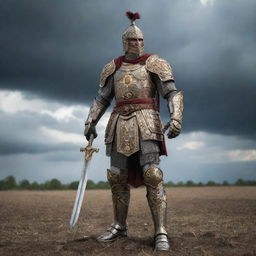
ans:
(51, 55)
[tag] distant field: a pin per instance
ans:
(208, 221)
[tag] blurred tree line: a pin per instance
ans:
(10, 183)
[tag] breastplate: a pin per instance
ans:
(132, 81)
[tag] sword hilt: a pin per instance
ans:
(90, 140)
(166, 127)
(89, 150)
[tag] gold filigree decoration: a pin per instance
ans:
(110, 130)
(133, 83)
(108, 70)
(177, 102)
(160, 67)
(145, 129)
(127, 133)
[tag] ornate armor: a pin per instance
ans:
(134, 134)
(177, 106)
(160, 67)
(96, 111)
(133, 82)
(153, 179)
(108, 70)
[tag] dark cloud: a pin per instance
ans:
(217, 172)
(21, 134)
(57, 49)
(30, 147)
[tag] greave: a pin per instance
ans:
(120, 197)
(153, 179)
(158, 206)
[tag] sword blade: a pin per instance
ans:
(79, 196)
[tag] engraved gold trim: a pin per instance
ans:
(160, 67)
(129, 66)
(96, 111)
(177, 102)
(133, 84)
(145, 131)
(120, 196)
(108, 70)
(153, 179)
(127, 133)
(111, 127)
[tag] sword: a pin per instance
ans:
(88, 151)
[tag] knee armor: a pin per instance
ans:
(153, 176)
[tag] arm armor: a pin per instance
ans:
(98, 107)
(107, 71)
(96, 111)
(159, 67)
(175, 103)
(101, 102)
(174, 98)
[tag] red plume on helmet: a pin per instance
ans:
(133, 16)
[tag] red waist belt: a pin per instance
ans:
(125, 107)
(135, 101)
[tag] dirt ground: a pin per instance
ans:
(208, 221)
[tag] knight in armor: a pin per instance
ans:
(134, 135)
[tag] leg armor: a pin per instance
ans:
(121, 198)
(153, 179)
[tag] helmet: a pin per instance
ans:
(132, 32)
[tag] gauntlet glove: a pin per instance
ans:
(90, 129)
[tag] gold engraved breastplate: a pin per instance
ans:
(132, 81)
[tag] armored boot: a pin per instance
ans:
(153, 179)
(121, 198)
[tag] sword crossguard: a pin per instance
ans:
(88, 151)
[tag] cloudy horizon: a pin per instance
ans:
(52, 54)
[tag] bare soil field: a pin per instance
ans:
(208, 221)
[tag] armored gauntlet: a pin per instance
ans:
(95, 113)
(175, 103)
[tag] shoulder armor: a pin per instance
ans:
(160, 67)
(108, 70)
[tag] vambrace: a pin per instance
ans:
(169, 91)
(175, 104)
(96, 111)
(101, 102)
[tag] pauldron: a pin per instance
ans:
(161, 67)
(108, 70)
